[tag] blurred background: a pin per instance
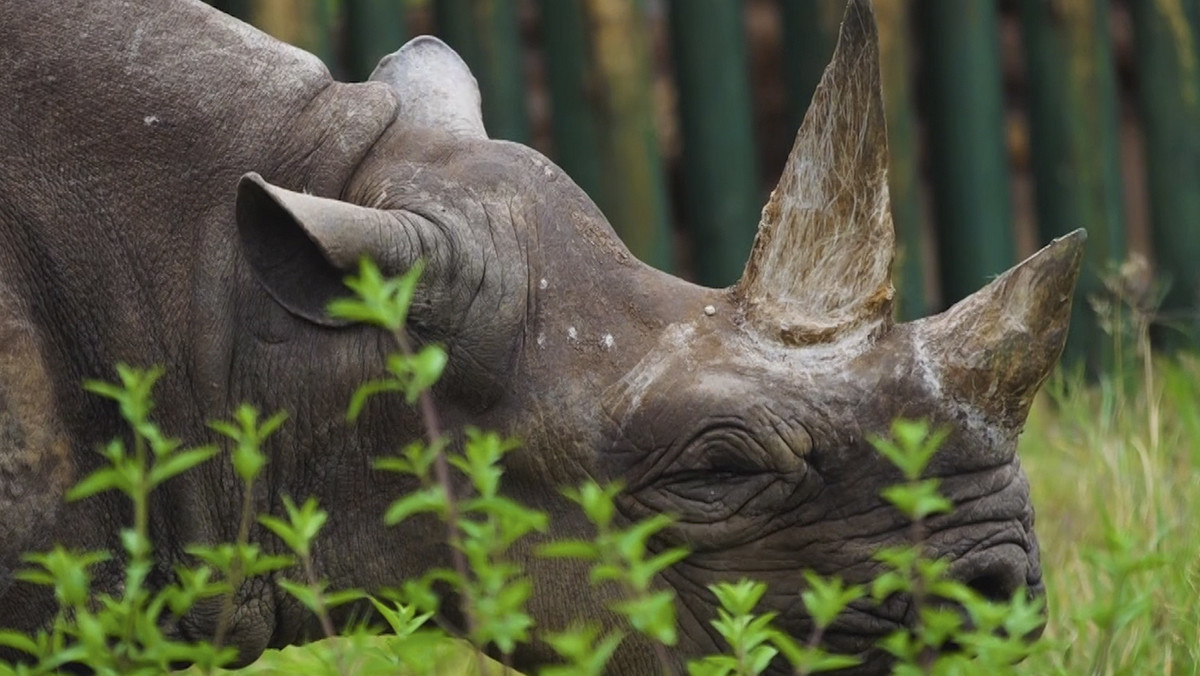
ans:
(1010, 121)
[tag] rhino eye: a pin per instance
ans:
(712, 485)
(714, 464)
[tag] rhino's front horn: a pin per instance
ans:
(994, 348)
(820, 266)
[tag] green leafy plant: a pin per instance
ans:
(986, 635)
(481, 523)
(121, 631)
(1135, 615)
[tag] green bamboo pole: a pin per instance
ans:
(573, 122)
(322, 34)
(238, 8)
(968, 158)
(810, 29)
(307, 24)
(1073, 125)
(374, 28)
(719, 168)
(485, 34)
(635, 194)
(1165, 35)
(908, 211)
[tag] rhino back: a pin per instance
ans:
(125, 129)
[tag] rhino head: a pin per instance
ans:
(744, 412)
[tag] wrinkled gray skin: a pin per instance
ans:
(154, 157)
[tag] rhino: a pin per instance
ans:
(178, 188)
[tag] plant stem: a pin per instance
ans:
(235, 568)
(441, 469)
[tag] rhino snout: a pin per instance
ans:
(999, 572)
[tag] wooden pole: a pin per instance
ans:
(810, 29)
(572, 97)
(1073, 125)
(237, 8)
(1168, 69)
(308, 24)
(374, 29)
(485, 33)
(968, 157)
(719, 168)
(908, 210)
(635, 195)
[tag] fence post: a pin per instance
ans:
(1165, 36)
(908, 211)
(572, 119)
(1073, 125)
(485, 33)
(631, 168)
(307, 24)
(374, 29)
(810, 29)
(719, 169)
(237, 8)
(968, 157)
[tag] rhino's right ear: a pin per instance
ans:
(435, 87)
(302, 246)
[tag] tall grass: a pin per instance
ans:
(1114, 468)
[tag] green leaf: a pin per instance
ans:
(917, 500)
(825, 599)
(652, 615)
(306, 595)
(429, 499)
(760, 658)
(18, 641)
(426, 367)
(889, 583)
(578, 645)
(380, 302)
(569, 549)
(911, 447)
(343, 596)
(358, 400)
(178, 463)
(738, 597)
(103, 479)
(597, 502)
(403, 619)
(655, 565)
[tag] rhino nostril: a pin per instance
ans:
(994, 586)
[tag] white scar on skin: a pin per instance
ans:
(632, 387)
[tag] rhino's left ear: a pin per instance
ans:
(435, 87)
(302, 246)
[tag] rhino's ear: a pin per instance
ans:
(302, 246)
(435, 87)
(820, 267)
(994, 349)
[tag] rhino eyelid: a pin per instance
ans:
(707, 474)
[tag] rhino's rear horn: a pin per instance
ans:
(820, 266)
(993, 349)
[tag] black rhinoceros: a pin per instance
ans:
(177, 188)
